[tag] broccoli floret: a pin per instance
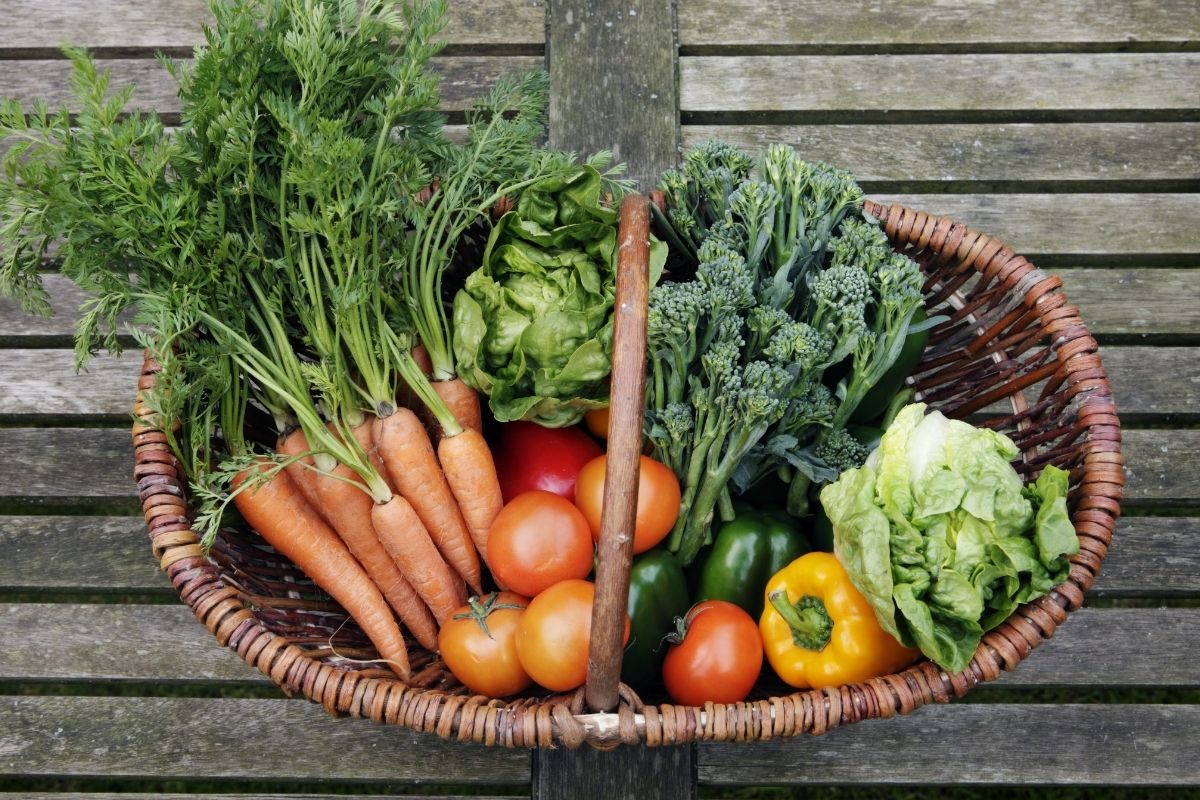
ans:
(752, 212)
(697, 194)
(839, 302)
(674, 317)
(841, 451)
(670, 429)
(799, 347)
(728, 281)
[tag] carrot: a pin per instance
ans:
(348, 510)
(413, 467)
(408, 542)
(279, 513)
(406, 396)
(364, 435)
(296, 444)
(471, 473)
(463, 402)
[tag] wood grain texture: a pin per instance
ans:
(627, 772)
(1111, 225)
(214, 739)
(1001, 154)
(1022, 82)
(43, 384)
(906, 22)
(76, 643)
(239, 796)
(631, 110)
(990, 744)
(41, 554)
(1122, 301)
(1095, 648)
(464, 79)
(174, 24)
(1154, 556)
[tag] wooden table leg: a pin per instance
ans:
(668, 773)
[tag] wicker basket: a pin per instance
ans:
(1010, 336)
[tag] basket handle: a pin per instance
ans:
(626, 402)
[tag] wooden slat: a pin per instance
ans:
(1153, 556)
(987, 744)
(223, 796)
(44, 384)
(42, 554)
(65, 642)
(1113, 301)
(53, 642)
(95, 465)
(1022, 152)
(1109, 225)
(720, 23)
(215, 739)
(1036, 83)
(174, 24)
(464, 79)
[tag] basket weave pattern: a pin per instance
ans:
(1010, 336)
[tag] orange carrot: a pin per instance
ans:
(408, 542)
(463, 402)
(348, 510)
(296, 444)
(279, 513)
(471, 473)
(409, 458)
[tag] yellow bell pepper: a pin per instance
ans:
(818, 630)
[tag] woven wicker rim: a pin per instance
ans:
(1087, 439)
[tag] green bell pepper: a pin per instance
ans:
(658, 593)
(745, 554)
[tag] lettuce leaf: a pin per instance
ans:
(941, 536)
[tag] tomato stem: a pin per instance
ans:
(480, 609)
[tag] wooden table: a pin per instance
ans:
(1068, 129)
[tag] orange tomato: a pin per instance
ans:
(719, 658)
(537, 540)
(596, 421)
(554, 632)
(658, 500)
(479, 644)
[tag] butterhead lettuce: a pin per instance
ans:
(939, 533)
(533, 325)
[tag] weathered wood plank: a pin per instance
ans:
(1027, 153)
(1109, 225)
(587, 774)
(43, 383)
(630, 111)
(165, 644)
(1113, 301)
(989, 744)
(223, 796)
(59, 642)
(464, 79)
(1035, 83)
(42, 553)
(249, 739)
(173, 24)
(720, 23)
(95, 464)
(1151, 556)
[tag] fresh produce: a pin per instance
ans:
(596, 421)
(746, 552)
(553, 635)
(795, 290)
(530, 456)
(479, 644)
(716, 655)
(818, 630)
(658, 594)
(657, 504)
(533, 325)
(537, 540)
(941, 536)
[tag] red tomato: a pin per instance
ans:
(719, 658)
(658, 500)
(479, 644)
(537, 540)
(554, 632)
(530, 457)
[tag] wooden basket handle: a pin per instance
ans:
(626, 402)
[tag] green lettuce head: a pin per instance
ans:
(939, 533)
(533, 325)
